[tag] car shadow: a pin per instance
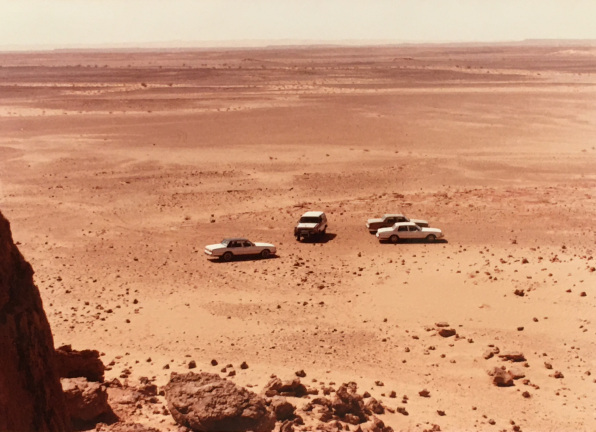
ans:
(420, 241)
(322, 238)
(243, 258)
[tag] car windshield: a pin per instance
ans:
(310, 219)
(225, 242)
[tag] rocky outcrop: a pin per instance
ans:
(86, 402)
(31, 397)
(206, 402)
(292, 388)
(347, 406)
(72, 364)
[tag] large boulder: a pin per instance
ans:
(72, 364)
(87, 402)
(31, 397)
(206, 402)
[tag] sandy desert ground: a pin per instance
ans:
(116, 169)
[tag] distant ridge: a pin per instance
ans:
(287, 43)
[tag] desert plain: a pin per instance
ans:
(117, 168)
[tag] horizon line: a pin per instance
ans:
(277, 43)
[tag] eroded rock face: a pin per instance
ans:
(31, 397)
(85, 401)
(206, 402)
(72, 364)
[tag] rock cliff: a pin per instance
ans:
(31, 397)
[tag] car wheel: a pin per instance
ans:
(265, 253)
(298, 237)
(394, 238)
(431, 238)
(227, 256)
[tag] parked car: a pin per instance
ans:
(389, 220)
(311, 223)
(234, 247)
(408, 231)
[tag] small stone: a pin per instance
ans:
(501, 377)
(244, 365)
(300, 373)
(441, 412)
(526, 394)
(402, 410)
(213, 362)
(513, 356)
(424, 393)
(445, 332)
(517, 373)
(192, 364)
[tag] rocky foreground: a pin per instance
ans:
(32, 372)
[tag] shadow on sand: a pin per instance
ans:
(420, 241)
(243, 258)
(322, 238)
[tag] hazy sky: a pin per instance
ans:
(66, 23)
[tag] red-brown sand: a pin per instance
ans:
(116, 169)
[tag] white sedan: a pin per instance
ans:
(408, 231)
(234, 247)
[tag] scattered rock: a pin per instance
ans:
(292, 388)
(374, 406)
(517, 373)
(282, 409)
(424, 393)
(206, 402)
(445, 332)
(348, 404)
(124, 427)
(192, 364)
(402, 410)
(442, 324)
(488, 354)
(501, 377)
(300, 373)
(244, 365)
(376, 425)
(557, 374)
(514, 356)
